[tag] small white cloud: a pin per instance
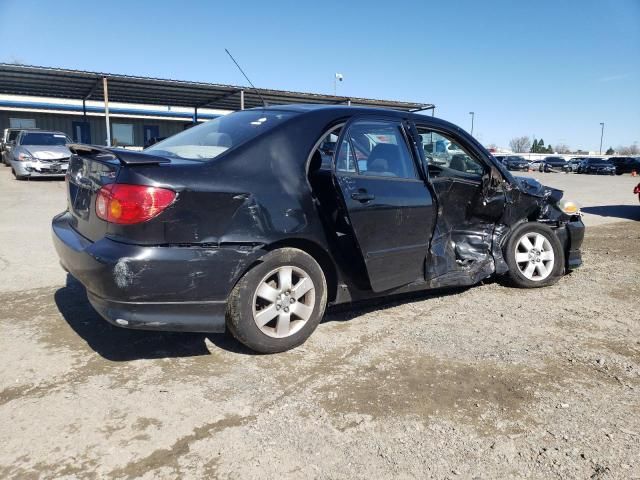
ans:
(612, 78)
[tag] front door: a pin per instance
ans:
(469, 206)
(387, 201)
(81, 132)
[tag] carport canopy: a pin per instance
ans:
(82, 85)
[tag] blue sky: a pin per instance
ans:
(553, 69)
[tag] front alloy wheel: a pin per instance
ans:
(534, 255)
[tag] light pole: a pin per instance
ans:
(472, 115)
(337, 78)
(601, 136)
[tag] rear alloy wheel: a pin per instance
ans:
(534, 255)
(278, 304)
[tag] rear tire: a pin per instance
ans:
(534, 255)
(278, 304)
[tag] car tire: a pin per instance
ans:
(18, 177)
(539, 266)
(264, 312)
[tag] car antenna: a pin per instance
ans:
(264, 104)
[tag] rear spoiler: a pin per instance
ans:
(126, 157)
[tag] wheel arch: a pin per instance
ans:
(319, 254)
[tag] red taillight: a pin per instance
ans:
(128, 204)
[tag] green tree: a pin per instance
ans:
(611, 151)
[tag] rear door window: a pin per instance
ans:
(376, 148)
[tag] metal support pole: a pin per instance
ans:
(106, 109)
(195, 115)
(472, 115)
(84, 111)
(241, 99)
(349, 102)
(433, 112)
(601, 136)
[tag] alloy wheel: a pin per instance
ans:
(534, 256)
(283, 301)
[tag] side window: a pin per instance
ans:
(376, 148)
(446, 158)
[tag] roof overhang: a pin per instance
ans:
(82, 85)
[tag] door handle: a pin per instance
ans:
(363, 196)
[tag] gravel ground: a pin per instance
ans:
(486, 382)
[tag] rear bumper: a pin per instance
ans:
(155, 288)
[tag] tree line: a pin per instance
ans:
(524, 144)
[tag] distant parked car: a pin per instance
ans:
(500, 158)
(39, 153)
(598, 166)
(515, 162)
(8, 140)
(573, 164)
(551, 164)
(626, 164)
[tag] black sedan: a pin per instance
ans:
(597, 166)
(257, 220)
(626, 164)
(515, 162)
(552, 164)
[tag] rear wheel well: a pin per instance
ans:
(319, 255)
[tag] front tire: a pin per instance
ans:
(534, 255)
(278, 304)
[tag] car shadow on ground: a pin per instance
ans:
(626, 212)
(121, 345)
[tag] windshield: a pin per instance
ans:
(516, 159)
(210, 139)
(596, 160)
(44, 139)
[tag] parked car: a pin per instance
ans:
(551, 164)
(39, 153)
(515, 162)
(500, 158)
(597, 165)
(249, 222)
(573, 164)
(8, 141)
(626, 164)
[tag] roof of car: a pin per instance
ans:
(350, 110)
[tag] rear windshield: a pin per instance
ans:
(13, 134)
(44, 139)
(214, 137)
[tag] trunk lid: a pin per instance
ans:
(85, 176)
(91, 168)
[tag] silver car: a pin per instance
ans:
(40, 153)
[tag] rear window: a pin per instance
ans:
(210, 139)
(44, 139)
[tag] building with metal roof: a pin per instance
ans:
(76, 102)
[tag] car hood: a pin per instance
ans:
(47, 152)
(531, 186)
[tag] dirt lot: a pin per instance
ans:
(487, 382)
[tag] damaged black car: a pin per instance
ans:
(258, 220)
